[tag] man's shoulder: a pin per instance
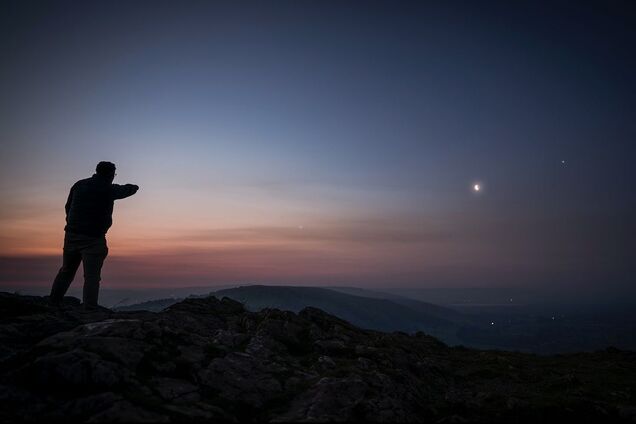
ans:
(84, 181)
(90, 184)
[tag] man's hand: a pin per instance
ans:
(123, 191)
(134, 188)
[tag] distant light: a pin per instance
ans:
(552, 318)
(492, 323)
(563, 162)
(511, 299)
(477, 187)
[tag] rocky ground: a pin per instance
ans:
(210, 359)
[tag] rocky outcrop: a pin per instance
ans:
(207, 359)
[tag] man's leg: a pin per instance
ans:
(70, 262)
(93, 260)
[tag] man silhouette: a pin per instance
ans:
(89, 211)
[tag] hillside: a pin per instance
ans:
(542, 329)
(366, 312)
(375, 313)
(206, 359)
(427, 307)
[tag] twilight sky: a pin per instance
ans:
(326, 142)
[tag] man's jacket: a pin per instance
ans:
(89, 208)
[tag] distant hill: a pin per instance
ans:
(426, 307)
(506, 327)
(151, 305)
(366, 312)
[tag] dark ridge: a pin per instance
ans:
(210, 360)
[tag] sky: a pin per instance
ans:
(326, 142)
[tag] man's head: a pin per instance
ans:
(106, 170)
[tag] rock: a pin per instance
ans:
(453, 419)
(365, 364)
(75, 369)
(172, 389)
(627, 412)
(89, 405)
(326, 362)
(125, 412)
(241, 378)
(206, 359)
(330, 399)
(333, 347)
(366, 350)
(199, 411)
(208, 306)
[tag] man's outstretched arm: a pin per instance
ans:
(123, 191)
